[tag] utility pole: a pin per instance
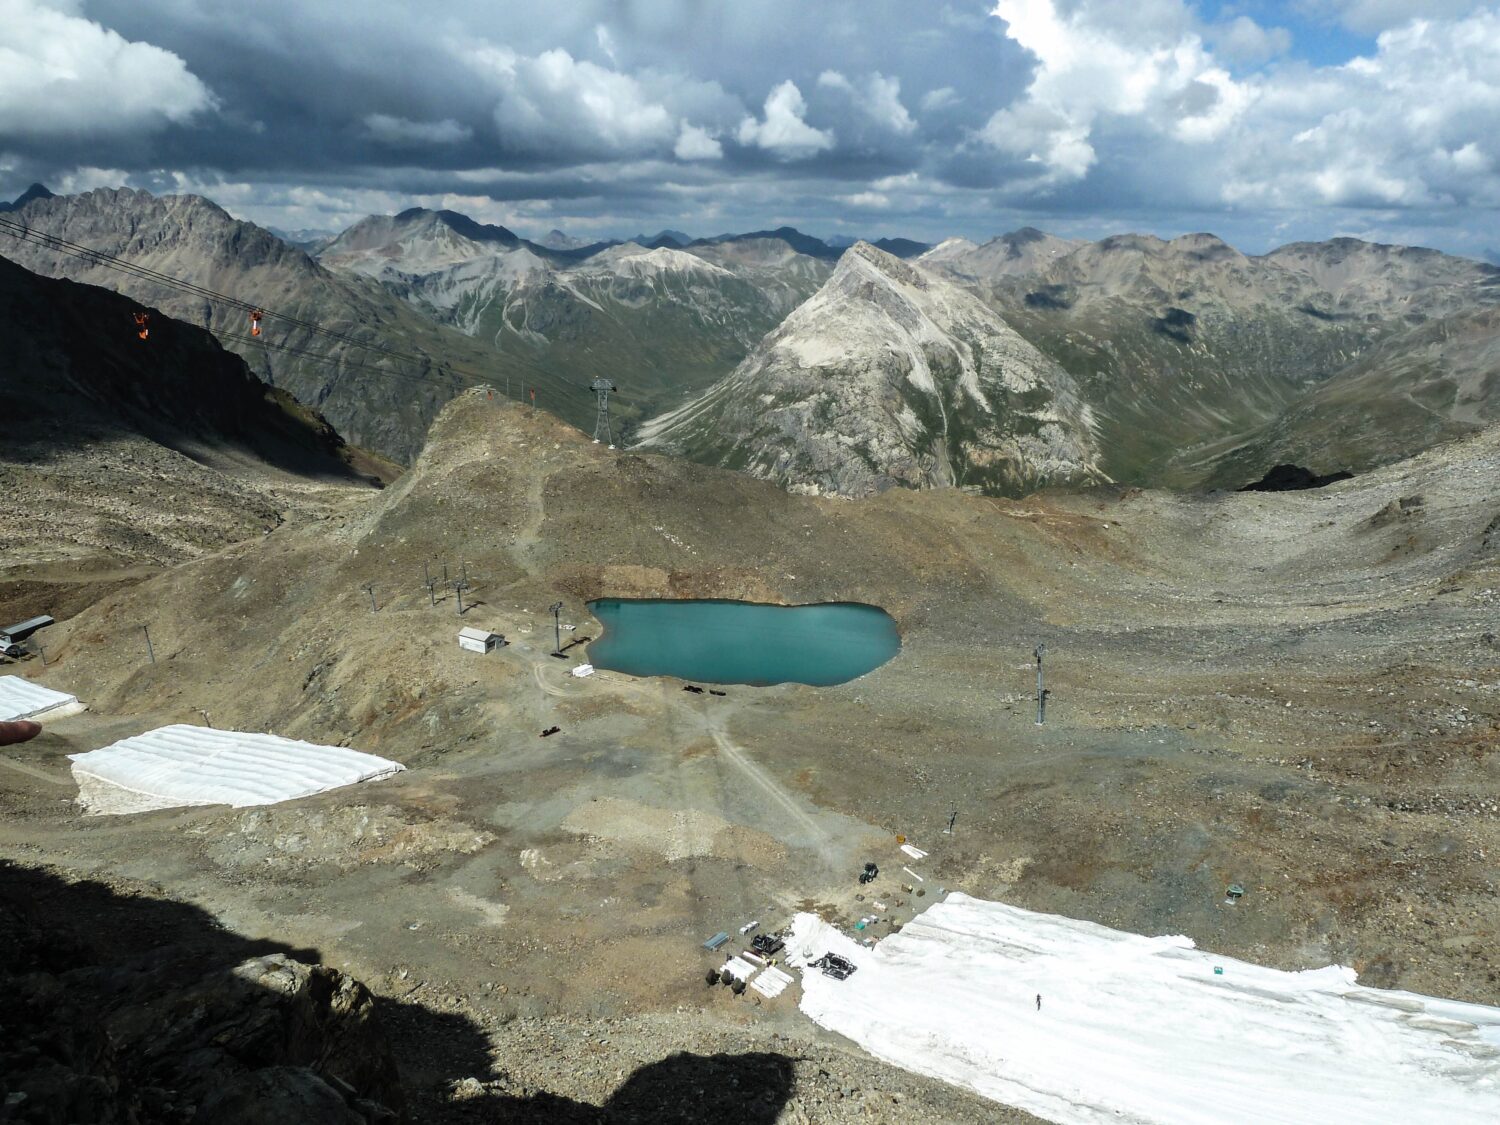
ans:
(151, 652)
(602, 387)
(953, 816)
(369, 588)
(1041, 692)
(428, 582)
(556, 610)
(209, 723)
(459, 586)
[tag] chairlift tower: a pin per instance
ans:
(1041, 692)
(602, 388)
(555, 609)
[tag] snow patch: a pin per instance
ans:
(22, 699)
(663, 259)
(1146, 1029)
(186, 765)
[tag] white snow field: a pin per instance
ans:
(1142, 1029)
(186, 765)
(22, 699)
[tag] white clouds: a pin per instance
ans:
(1411, 125)
(941, 98)
(606, 43)
(783, 131)
(1045, 137)
(400, 131)
(61, 74)
(877, 97)
(88, 178)
(695, 143)
(1149, 106)
(554, 101)
(561, 108)
(1048, 111)
(1094, 64)
(1244, 41)
(1369, 17)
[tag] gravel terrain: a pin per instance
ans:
(1297, 692)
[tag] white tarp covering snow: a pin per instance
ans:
(1141, 1029)
(771, 983)
(22, 699)
(187, 765)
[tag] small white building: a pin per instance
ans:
(479, 640)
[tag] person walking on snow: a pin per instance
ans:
(1039, 1001)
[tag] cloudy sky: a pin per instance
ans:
(1264, 121)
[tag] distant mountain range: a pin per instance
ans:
(1190, 363)
(658, 320)
(377, 400)
(1205, 366)
(306, 238)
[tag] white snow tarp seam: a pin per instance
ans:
(1143, 1029)
(188, 765)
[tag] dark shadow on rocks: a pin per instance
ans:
(748, 1089)
(1292, 478)
(118, 1007)
(122, 1007)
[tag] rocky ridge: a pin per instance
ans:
(659, 321)
(384, 403)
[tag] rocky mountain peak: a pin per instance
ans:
(1205, 247)
(186, 231)
(556, 239)
(889, 376)
(863, 257)
(1130, 244)
(35, 191)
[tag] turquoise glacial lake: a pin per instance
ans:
(724, 642)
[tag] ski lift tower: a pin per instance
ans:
(602, 387)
